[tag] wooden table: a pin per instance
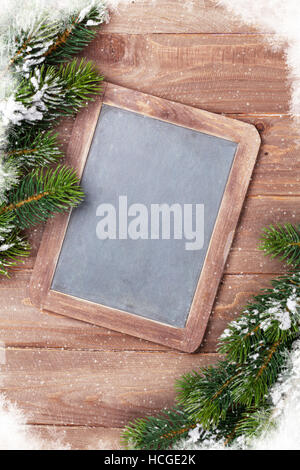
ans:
(87, 381)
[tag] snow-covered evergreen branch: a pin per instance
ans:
(37, 86)
(231, 402)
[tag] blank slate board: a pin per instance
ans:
(149, 161)
(149, 151)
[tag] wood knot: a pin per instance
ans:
(260, 126)
(27, 302)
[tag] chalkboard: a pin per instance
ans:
(154, 190)
(148, 161)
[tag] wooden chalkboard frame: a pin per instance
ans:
(189, 338)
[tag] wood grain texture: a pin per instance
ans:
(233, 295)
(24, 326)
(259, 212)
(277, 169)
(219, 73)
(93, 388)
(78, 437)
(173, 16)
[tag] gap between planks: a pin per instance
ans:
(71, 426)
(272, 196)
(170, 33)
(99, 350)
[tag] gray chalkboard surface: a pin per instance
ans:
(150, 162)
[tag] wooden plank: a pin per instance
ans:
(78, 438)
(34, 235)
(93, 388)
(174, 16)
(23, 326)
(219, 73)
(277, 168)
(64, 130)
(259, 212)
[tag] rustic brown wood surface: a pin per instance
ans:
(173, 16)
(50, 369)
(224, 73)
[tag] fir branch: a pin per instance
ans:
(61, 41)
(272, 315)
(37, 100)
(168, 429)
(77, 34)
(41, 195)
(54, 42)
(50, 93)
(33, 149)
(268, 359)
(206, 396)
(226, 400)
(9, 177)
(12, 246)
(28, 47)
(209, 395)
(22, 46)
(282, 241)
(159, 432)
(44, 94)
(81, 81)
(253, 423)
(251, 387)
